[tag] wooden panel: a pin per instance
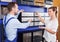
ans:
(58, 33)
(56, 3)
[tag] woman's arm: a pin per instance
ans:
(47, 29)
(54, 27)
(50, 30)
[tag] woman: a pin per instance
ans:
(51, 24)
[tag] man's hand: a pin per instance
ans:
(30, 20)
(20, 10)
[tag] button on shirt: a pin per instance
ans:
(12, 26)
(52, 24)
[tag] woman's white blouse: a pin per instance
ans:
(52, 24)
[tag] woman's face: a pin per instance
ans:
(50, 12)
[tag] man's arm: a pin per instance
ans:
(19, 25)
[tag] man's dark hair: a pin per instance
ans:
(11, 5)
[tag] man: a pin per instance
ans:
(11, 23)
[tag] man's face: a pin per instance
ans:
(16, 8)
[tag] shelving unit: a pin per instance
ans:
(31, 15)
(29, 12)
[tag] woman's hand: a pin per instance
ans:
(41, 27)
(37, 13)
(40, 18)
